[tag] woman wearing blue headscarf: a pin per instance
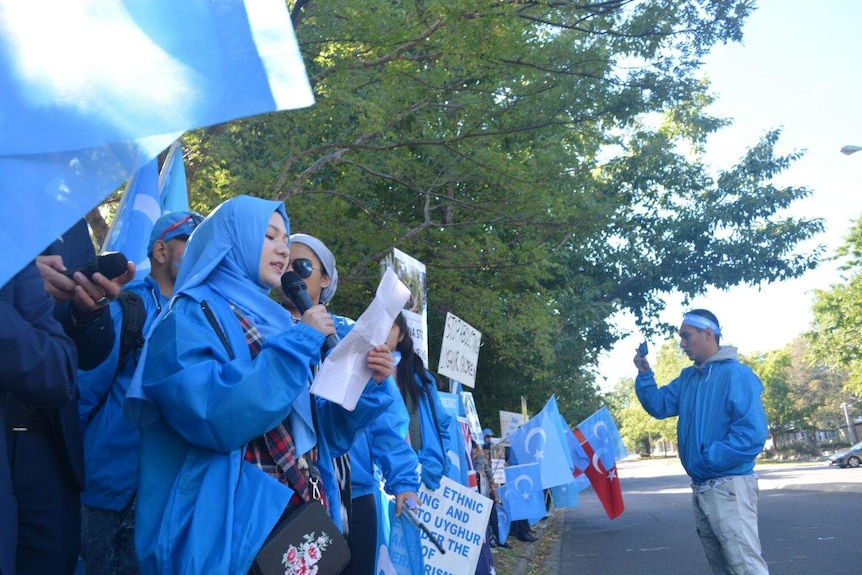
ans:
(225, 370)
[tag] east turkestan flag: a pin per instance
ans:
(92, 90)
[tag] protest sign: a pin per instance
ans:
(510, 421)
(411, 272)
(458, 518)
(498, 466)
(468, 472)
(472, 417)
(459, 352)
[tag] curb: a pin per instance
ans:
(528, 551)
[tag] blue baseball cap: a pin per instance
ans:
(173, 225)
(487, 431)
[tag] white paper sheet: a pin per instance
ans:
(344, 373)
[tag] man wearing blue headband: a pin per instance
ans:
(721, 430)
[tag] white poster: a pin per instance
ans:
(458, 518)
(411, 272)
(509, 422)
(459, 351)
(472, 417)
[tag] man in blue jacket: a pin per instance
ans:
(110, 442)
(721, 430)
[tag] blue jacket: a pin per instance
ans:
(201, 506)
(435, 436)
(110, 442)
(722, 426)
(37, 365)
(383, 443)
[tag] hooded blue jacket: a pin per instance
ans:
(434, 423)
(198, 398)
(201, 506)
(385, 437)
(110, 442)
(722, 426)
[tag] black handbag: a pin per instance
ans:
(305, 540)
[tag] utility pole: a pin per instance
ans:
(851, 430)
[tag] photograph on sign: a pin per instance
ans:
(459, 352)
(411, 272)
(472, 417)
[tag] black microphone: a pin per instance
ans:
(297, 291)
(110, 265)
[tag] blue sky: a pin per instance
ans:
(798, 68)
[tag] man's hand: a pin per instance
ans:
(641, 363)
(380, 363)
(87, 296)
(401, 501)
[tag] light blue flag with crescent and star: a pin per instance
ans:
(140, 207)
(402, 553)
(173, 192)
(504, 524)
(580, 460)
(541, 440)
(94, 91)
(566, 495)
(524, 496)
(148, 195)
(601, 432)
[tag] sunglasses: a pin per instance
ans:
(304, 267)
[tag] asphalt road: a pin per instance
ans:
(810, 522)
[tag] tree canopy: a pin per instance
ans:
(835, 332)
(543, 159)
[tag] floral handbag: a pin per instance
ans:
(305, 541)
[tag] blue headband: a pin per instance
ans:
(701, 322)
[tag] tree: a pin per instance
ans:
(639, 429)
(835, 332)
(800, 391)
(542, 159)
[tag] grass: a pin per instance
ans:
(526, 558)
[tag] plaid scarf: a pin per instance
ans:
(274, 452)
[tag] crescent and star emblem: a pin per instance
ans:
(525, 494)
(539, 453)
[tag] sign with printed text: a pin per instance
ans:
(457, 517)
(510, 421)
(459, 352)
(498, 466)
(411, 272)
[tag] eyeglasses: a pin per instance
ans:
(304, 267)
(196, 220)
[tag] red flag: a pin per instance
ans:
(605, 483)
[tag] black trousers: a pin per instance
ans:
(49, 504)
(362, 537)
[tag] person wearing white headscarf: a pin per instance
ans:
(384, 441)
(223, 367)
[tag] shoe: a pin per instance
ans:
(528, 538)
(504, 546)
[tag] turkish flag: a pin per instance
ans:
(605, 483)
